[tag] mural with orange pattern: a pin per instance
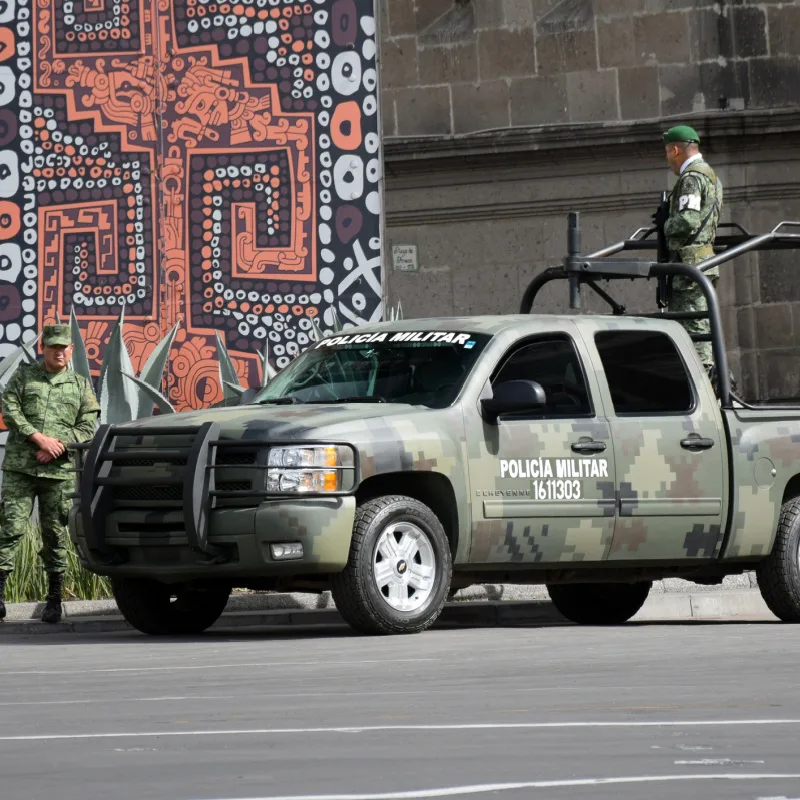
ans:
(214, 164)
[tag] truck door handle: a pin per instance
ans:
(588, 447)
(697, 443)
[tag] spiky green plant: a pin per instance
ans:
(28, 582)
(8, 366)
(234, 393)
(122, 395)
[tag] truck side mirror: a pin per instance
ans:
(512, 397)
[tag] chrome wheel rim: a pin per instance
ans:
(404, 566)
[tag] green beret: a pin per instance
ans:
(681, 133)
(56, 334)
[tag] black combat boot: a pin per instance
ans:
(3, 579)
(52, 610)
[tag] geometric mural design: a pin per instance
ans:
(210, 163)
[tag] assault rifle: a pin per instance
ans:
(660, 218)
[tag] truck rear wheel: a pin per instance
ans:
(155, 608)
(398, 574)
(599, 603)
(779, 573)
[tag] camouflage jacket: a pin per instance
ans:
(694, 211)
(61, 405)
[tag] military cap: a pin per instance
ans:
(681, 133)
(56, 334)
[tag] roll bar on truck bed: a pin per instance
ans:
(586, 270)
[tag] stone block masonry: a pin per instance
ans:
(623, 59)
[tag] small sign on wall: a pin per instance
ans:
(405, 258)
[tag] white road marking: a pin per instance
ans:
(717, 762)
(480, 726)
(452, 791)
(116, 700)
(186, 667)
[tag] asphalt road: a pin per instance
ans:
(649, 710)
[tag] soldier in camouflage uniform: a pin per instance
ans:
(45, 407)
(695, 206)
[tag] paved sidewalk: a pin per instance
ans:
(479, 606)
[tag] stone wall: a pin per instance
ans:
(500, 116)
(460, 66)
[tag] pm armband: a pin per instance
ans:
(689, 202)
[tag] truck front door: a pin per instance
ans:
(543, 484)
(669, 448)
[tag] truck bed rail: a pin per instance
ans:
(586, 270)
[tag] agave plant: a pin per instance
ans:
(233, 392)
(121, 394)
(8, 366)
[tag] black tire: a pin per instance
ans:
(149, 606)
(599, 603)
(779, 573)
(355, 590)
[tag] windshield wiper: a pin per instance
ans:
(280, 401)
(356, 398)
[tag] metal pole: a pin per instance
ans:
(573, 251)
(732, 252)
(610, 250)
(551, 274)
(717, 342)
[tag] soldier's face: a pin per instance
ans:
(56, 357)
(675, 157)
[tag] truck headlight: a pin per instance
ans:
(304, 469)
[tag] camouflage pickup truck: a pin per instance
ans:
(396, 462)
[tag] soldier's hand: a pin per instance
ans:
(43, 458)
(53, 447)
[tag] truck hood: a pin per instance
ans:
(281, 423)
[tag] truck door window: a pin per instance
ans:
(645, 373)
(554, 364)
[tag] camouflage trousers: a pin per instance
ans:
(16, 506)
(687, 296)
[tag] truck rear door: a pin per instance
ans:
(543, 483)
(668, 443)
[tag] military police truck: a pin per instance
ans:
(395, 462)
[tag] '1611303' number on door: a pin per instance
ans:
(557, 490)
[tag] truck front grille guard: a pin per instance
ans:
(197, 481)
(195, 464)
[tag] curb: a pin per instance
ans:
(277, 601)
(744, 605)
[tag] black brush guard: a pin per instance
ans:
(195, 467)
(195, 476)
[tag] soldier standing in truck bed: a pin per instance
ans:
(45, 407)
(695, 207)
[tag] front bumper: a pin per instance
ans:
(178, 503)
(154, 545)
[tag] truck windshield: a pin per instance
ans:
(416, 367)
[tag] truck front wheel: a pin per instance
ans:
(779, 573)
(599, 603)
(157, 609)
(398, 573)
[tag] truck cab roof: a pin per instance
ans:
(524, 323)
